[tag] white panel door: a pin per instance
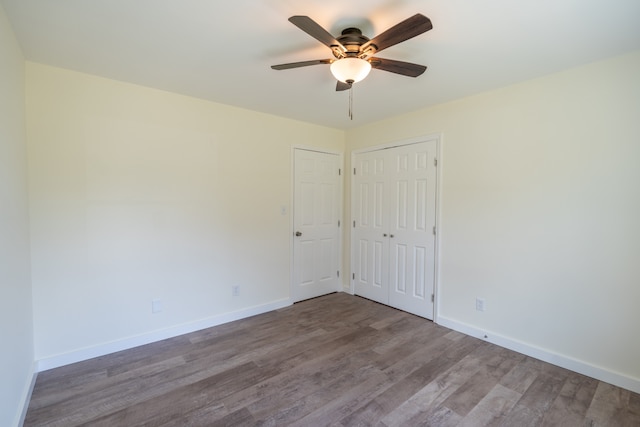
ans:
(394, 212)
(316, 229)
(370, 247)
(412, 179)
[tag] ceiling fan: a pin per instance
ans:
(353, 52)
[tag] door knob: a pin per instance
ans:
(384, 235)
(391, 235)
(298, 234)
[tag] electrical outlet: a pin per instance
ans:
(156, 306)
(235, 290)
(480, 304)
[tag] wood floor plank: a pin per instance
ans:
(117, 393)
(634, 403)
(611, 407)
(520, 378)
(312, 367)
(334, 360)
(409, 384)
(498, 363)
(441, 417)
(241, 417)
(571, 405)
(492, 408)
(437, 391)
(538, 398)
(301, 380)
(346, 403)
(299, 407)
(171, 407)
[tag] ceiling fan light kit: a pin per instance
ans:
(353, 52)
(350, 70)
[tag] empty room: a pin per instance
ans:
(320, 213)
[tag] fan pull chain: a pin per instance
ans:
(351, 102)
(350, 83)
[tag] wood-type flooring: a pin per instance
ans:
(335, 360)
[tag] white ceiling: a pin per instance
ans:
(222, 51)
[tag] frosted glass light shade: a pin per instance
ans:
(350, 69)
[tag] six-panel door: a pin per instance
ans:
(316, 231)
(393, 241)
(370, 229)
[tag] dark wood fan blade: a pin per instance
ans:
(398, 67)
(301, 64)
(312, 28)
(342, 86)
(405, 30)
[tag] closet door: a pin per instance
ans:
(370, 246)
(412, 188)
(393, 245)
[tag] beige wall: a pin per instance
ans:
(540, 209)
(16, 330)
(138, 194)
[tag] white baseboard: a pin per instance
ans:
(26, 396)
(545, 355)
(131, 342)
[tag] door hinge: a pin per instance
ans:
(434, 230)
(354, 223)
(338, 273)
(432, 298)
(435, 162)
(338, 223)
(354, 171)
(339, 172)
(353, 276)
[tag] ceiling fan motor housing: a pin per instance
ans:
(353, 39)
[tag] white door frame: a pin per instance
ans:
(340, 155)
(438, 137)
